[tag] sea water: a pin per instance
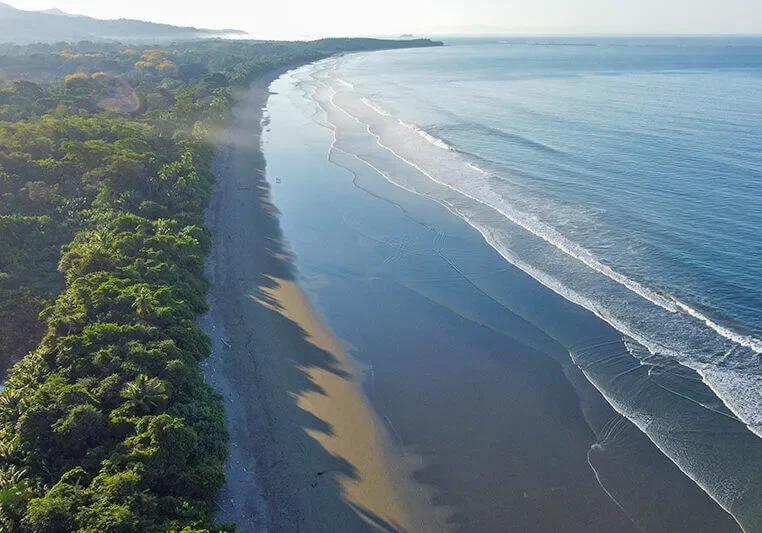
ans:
(623, 174)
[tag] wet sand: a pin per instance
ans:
(306, 453)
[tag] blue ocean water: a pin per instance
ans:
(625, 174)
(622, 173)
(645, 152)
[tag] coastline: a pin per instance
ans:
(305, 450)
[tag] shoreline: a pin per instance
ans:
(306, 452)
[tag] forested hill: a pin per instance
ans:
(25, 27)
(106, 424)
(369, 44)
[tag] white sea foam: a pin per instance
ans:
(722, 495)
(375, 107)
(436, 141)
(479, 170)
(744, 340)
(346, 84)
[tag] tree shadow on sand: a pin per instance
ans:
(267, 360)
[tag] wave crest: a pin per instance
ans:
(436, 141)
(375, 107)
(345, 83)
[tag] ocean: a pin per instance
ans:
(617, 183)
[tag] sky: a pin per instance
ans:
(290, 19)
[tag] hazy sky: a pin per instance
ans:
(300, 18)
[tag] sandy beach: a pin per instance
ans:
(306, 453)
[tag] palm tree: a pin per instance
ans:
(163, 227)
(11, 475)
(7, 451)
(14, 493)
(144, 394)
(143, 303)
(9, 403)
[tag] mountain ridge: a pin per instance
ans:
(26, 27)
